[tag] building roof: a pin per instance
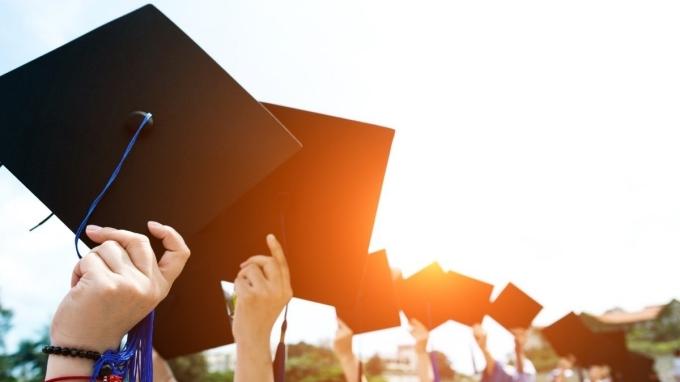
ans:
(620, 316)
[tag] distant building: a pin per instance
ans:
(648, 318)
(404, 361)
(220, 360)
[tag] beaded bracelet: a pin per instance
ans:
(71, 352)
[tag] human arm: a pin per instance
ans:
(112, 288)
(263, 289)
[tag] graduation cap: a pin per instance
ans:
(514, 309)
(321, 204)
(425, 296)
(570, 336)
(640, 368)
(469, 298)
(193, 317)
(613, 349)
(376, 305)
(65, 120)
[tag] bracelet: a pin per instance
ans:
(71, 352)
(111, 378)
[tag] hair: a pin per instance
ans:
(677, 352)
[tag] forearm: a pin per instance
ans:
(424, 366)
(490, 361)
(253, 361)
(519, 353)
(59, 366)
(350, 367)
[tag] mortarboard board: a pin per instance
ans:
(469, 298)
(193, 317)
(514, 309)
(63, 128)
(639, 368)
(376, 305)
(570, 336)
(321, 204)
(425, 296)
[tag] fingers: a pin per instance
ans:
(417, 324)
(177, 252)
(242, 288)
(280, 257)
(115, 257)
(93, 266)
(137, 245)
(269, 266)
(254, 275)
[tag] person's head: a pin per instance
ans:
(594, 373)
(677, 353)
(564, 364)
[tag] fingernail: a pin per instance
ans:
(271, 237)
(93, 228)
(153, 224)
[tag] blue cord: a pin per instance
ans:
(112, 178)
(134, 361)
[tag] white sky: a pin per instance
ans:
(537, 141)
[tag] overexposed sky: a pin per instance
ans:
(537, 141)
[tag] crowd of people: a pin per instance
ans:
(120, 281)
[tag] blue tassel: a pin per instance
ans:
(435, 367)
(134, 362)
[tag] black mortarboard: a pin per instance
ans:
(376, 304)
(193, 317)
(639, 368)
(65, 116)
(469, 298)
(321, 204)
(425, 296)
(64, 124)
(570, 336)
(514, 309)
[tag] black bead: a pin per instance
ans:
(105, 370)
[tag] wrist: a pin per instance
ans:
(58, 366)
(99, 345)
(421, 350)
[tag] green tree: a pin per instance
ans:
(5, 359)
(226, 376)
(309, 363)
(28, 362)
(192, 367)
(375, 366)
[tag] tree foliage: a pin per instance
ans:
(309, 363)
